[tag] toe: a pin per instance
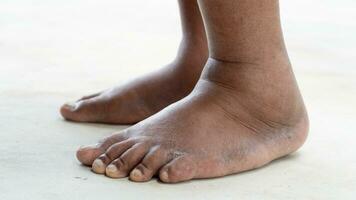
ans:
(178, 170)
(98, 166)
(149, 166)
(116, 150)
(112, 153)
(89, 96)
(86, 110)
(121, 166)
(87, 154)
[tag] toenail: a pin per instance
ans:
(98, 166)
(136, 173)
(71, 105)
(87, 147)
(164, 176)
(111, 169)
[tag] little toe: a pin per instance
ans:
(180, 169)
(150, 164)
(121, 166)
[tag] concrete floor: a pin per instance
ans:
(55, 51)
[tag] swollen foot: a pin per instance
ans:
(238, 117)
(144, 96)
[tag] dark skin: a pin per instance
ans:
(244, 111)
(146, 95)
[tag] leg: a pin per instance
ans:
(147, 95)
(245, 111)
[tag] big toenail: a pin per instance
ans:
(98, 166)
(71, 105)
(88, 147)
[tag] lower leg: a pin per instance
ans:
(247, 53)
(248, 57)
(244, 112)
(142, 97)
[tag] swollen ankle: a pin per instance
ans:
(266, 93)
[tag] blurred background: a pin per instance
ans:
(98, 37)
(54, 51)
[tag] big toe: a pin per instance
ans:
(81, 111)
(86, 155)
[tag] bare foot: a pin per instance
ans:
(144, 96)
(238, 117)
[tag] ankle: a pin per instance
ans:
(266, 91)
(236, 73)
(262, 99)
(191, 58)
(193, 50)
